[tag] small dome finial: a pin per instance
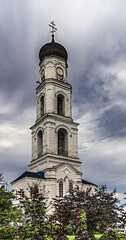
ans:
(52, 48)
(53, 29)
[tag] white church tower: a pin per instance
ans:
(55, 163)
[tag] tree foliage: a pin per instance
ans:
(8, 212)
(102, 209)
(2, 182)
(81, 232)
(79, 212)
(59, 221)
(34, 210)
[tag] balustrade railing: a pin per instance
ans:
(61, 112)
(62, 152)
(40, 154)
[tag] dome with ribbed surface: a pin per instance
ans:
(52, 48)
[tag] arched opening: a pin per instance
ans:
(40, 143)
(70, 186)
(62, 142)
(60, 104)
(42, 106)
(61, 188)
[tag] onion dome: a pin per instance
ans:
(52, 48)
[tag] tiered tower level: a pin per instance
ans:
(54, 134)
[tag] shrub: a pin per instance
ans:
(8, 232)
(110, 235)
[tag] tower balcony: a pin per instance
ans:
(40, 154)
(62, 152)
(61, 113)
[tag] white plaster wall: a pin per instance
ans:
(50, 127)
(66, 174)
(47, 187)
(26, 183)
(71, 176)
(49, 161)
(50, 91)
(50, 63)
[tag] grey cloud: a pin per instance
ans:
(104, 47)
(103, 170)
(113, 123)
(12, 165)
(91, 90)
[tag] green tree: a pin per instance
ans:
(8, 212)
(60, 219)
(34, 210)
(102, 208)
(110, 235)
(81, 233)
(2, 182)
(124, 218)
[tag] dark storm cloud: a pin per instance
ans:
(16, 162)
(18, 65)
(17, 75)
(98, 52)
(113, 123)
(106, 168)
(98, 85)
(14, 167)
(91, 90)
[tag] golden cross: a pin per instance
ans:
(52, 25)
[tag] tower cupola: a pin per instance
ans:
(52, 48)
(53, 60)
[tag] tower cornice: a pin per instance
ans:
(53, 117)
(55, 82)
(55, 159)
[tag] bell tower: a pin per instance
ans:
(54, 166)
(54, 134)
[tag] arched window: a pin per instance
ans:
(61, 188)
(42, 105)
(40, 143)
(60, 104)
(62, 142)
(70, 186)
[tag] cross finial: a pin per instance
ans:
(53, 29)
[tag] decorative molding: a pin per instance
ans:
(38, 129)
(64, 127)
(59, 180)
(66, 171)
(62, 93)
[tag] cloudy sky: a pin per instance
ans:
(94, 34)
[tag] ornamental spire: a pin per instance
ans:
(53, 29)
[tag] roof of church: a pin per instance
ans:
(39, 175)
(89, 183)
(52, 48)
